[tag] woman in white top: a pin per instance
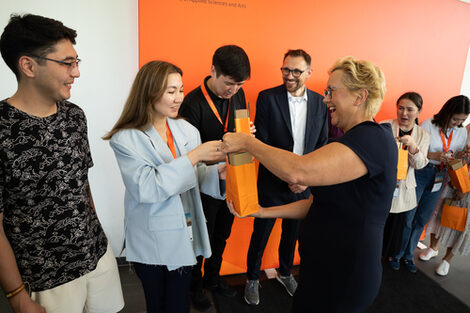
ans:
(456, 242)
(416, 141)
(448, 140)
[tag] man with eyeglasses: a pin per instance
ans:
(293, 118)
(51, 242)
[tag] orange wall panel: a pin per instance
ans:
(420, 45)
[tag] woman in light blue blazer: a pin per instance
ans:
(160, 158)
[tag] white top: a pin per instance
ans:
(459, 138)
(406, 199)
(298, 120)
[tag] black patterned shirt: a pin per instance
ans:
(44, 195)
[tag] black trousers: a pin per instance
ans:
(219, 225)
(261, 231)
(165, 291)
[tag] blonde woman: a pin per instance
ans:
(352, 181)
(160, 161)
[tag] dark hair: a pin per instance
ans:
(232, 61)
(455, 105)
(31, 35)
(413, 97)
(299, 53)
(149, 86)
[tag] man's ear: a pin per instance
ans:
(27, 66)
(213, 71)
(309, 72)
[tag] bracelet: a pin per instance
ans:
(16, 291)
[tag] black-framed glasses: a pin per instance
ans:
(295, 72)
(70, 65)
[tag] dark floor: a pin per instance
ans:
(457, 282)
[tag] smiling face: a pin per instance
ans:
(407, 113)
(340, 101)
(55, 80)
(296, 85)
(170, 102)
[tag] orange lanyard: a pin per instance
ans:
(445, 146)
(214, 109)
(171, 143)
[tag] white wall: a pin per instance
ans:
(107, 42)
(465, 88)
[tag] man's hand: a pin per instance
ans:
(252, 129)
(22, 303)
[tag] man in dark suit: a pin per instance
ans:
(293, 118)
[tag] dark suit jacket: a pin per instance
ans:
(273, 127)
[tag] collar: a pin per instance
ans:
(293, 99)
(213, 96)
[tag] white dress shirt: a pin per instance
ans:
(298, 120)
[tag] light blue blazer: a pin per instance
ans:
(155, 222)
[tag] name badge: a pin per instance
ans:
(397, 189)
(189, 226)
(438, 181)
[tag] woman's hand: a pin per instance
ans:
(235, 142)
(234, 212)
(408, 141)
(222, 169)
(438, 156)
(464, 153)
(208, 151)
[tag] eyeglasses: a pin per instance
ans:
(71, 65)
(295, 72)
(328, 92)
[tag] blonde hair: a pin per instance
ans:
(361, 74)
(148, 87)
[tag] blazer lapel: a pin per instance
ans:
(309, 120)
(161, 148)
(283, 104)
(179, 138)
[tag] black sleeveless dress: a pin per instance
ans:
(340, 240)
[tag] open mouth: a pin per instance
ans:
(332, 109)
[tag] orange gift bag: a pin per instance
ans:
(458, 173)
(402, 165)
(453, 216)
(241, 173)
